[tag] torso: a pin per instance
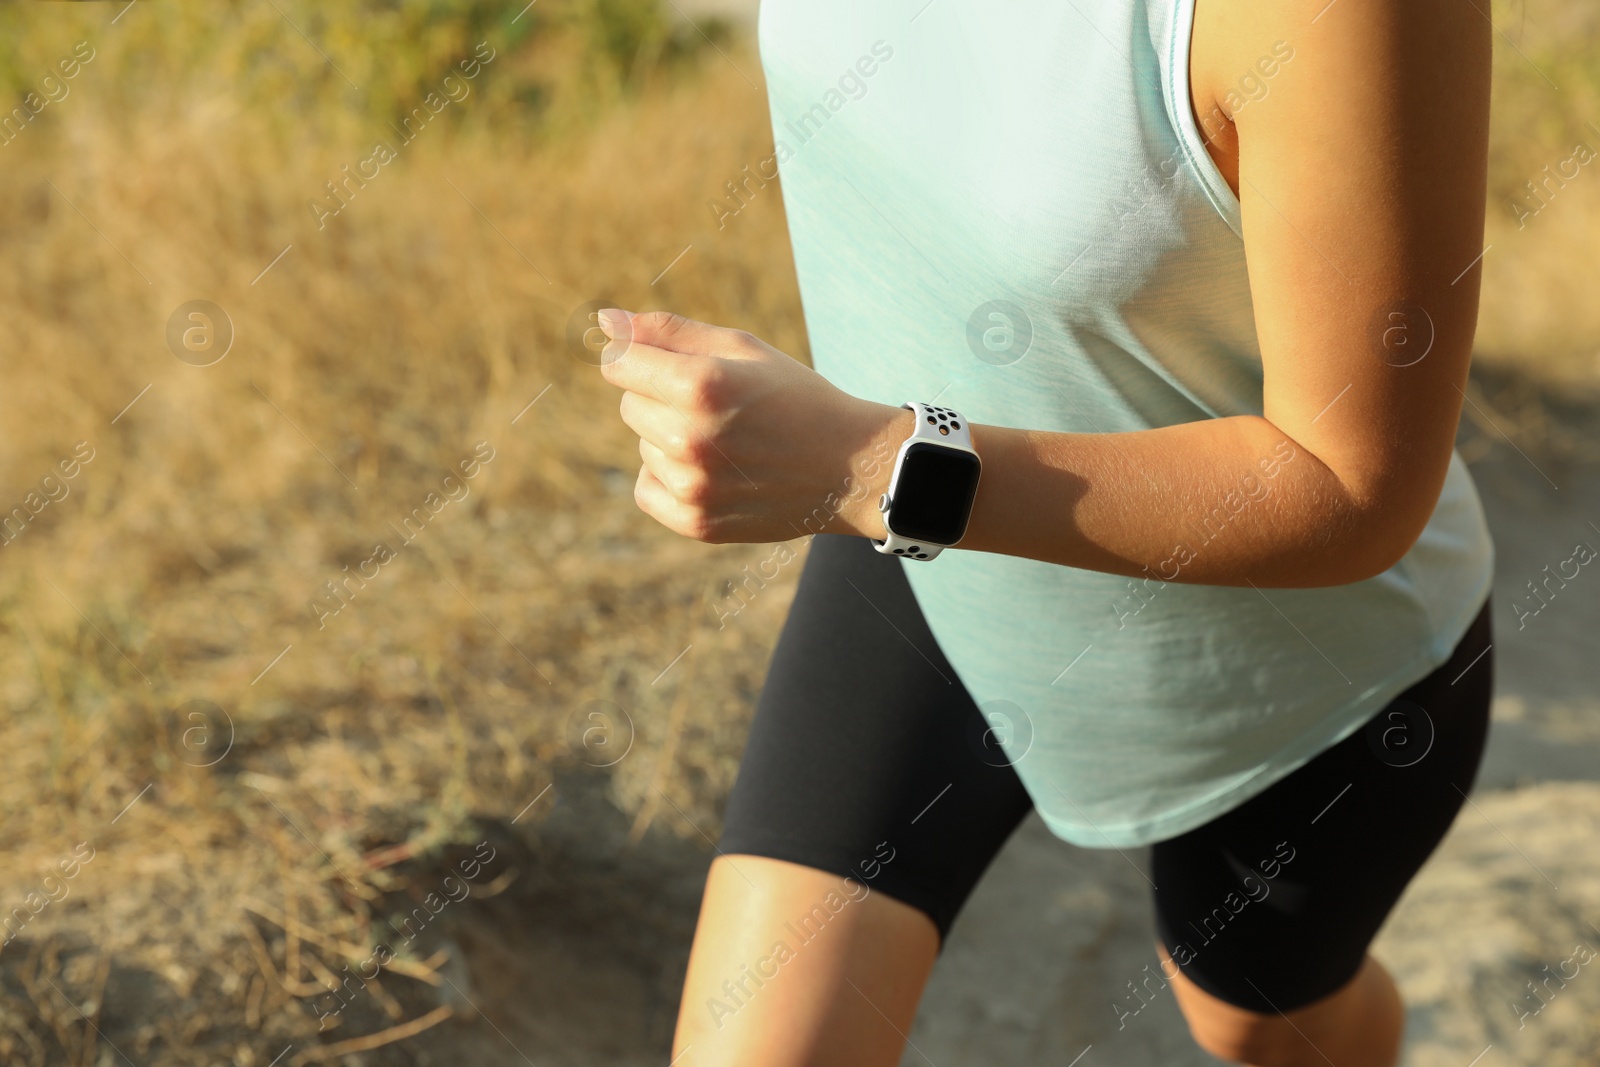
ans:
(1004, 208)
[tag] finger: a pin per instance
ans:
(686, 483)
(655, 459)
(675, 333)
(653, 497)
(660, 424)
(649, 371)
(656, 501)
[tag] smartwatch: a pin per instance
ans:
(934, 483)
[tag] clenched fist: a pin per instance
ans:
(741, 443)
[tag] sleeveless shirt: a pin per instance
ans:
(1008, 209)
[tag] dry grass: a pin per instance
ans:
(367, 363)
(1538, 314)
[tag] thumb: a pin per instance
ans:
(673, 333)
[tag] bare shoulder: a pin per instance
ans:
(1333, 56)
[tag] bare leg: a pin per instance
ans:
(841, 990)
(1359, 1026)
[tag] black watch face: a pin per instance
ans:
(933, 495)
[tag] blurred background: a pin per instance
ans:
(334, 645)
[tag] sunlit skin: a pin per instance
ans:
(1362, 181)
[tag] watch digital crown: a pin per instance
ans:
(934, 483)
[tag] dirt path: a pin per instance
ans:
(1480, 921)
(581, 963)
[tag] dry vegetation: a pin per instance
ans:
(270, 839)
(367, 364)
(1538, 345)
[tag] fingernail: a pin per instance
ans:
(611, 318)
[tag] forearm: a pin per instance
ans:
(1228, 501)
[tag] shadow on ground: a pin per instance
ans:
(581, 961)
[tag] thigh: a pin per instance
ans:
(867, 758)
(1271, 906)
(868, 803)
(798, 967)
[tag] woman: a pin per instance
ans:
(1204, 280)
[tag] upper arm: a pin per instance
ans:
(1362, 174)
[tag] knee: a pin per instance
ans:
(1257, 1040)
(1365, 1019)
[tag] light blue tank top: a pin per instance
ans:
(1007, 209)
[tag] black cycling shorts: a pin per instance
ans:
(1270, 906)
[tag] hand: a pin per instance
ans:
(740, 442)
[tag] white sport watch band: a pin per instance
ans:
(936, 425)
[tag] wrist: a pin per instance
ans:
(871, 468)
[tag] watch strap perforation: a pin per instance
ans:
(940, 425)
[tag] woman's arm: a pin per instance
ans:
(1362, 179)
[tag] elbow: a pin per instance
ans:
(1367, 515)
(1388, 547)
(1377, 536)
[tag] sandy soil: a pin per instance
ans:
(581, 961)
